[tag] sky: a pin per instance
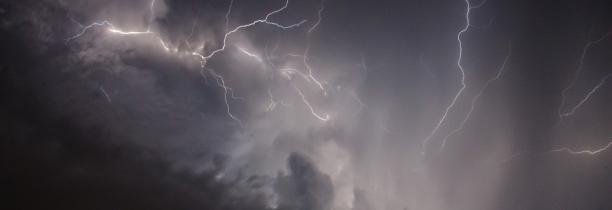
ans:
(306, 104)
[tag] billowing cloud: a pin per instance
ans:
(334, 104)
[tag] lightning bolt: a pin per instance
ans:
(583, 152)
(323, 118)
(111, 28)
(307, 50)
(475, 99)
(585, 50)
(587, 96)
(263, 21)
(468, 9)
(228, 92)
(250, 54)
(310, 75)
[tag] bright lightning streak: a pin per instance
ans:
(111, 28)
(585, 49)
(583, 152)
(310, 75)
(264, 20)
(250, 54)
(227, 91)
(205, 59)
(475, 99)
(307, 50)
(312, 111)
(586, 98)
(463, 85)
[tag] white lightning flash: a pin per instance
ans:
(111, 28)
(307, 50)
(227, 91)
(587, 96)
(585, 50)
(310, 75)
(463, 85)
(263, 21)
(477, 96)
(584, 152)
(250, 54)
(324, 117)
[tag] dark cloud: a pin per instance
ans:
(106, 121)
(305, 187)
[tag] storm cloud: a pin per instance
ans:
(333, 104)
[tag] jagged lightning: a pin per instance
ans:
(585, 50)
(477, 96)
(584, 152)
(264, 21)
(323, 118)
(587, 96)
(204, 58)
(227, 91)
(307, 50)
(468, 9)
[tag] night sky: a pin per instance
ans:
(306, 104)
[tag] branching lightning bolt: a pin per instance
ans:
(585, 50)
(307, 50)
(228, 92)
(264, 20)
(475, 99)
(463, 85)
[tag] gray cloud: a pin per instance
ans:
(113, 121)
